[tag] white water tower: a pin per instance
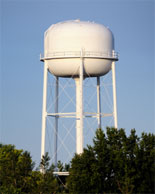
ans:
(77, 49)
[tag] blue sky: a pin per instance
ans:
(23, 24)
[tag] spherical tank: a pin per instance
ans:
(65, 43)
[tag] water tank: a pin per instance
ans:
(65, 43)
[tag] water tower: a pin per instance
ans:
(77, 49)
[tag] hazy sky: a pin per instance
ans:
(23, 24)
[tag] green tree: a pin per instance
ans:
(18, 177)
(114, 164)
(80, 179)
(45, 182)
(61, 179)
(146, 164)
(44, 164)
(15, 170)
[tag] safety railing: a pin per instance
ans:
(77, 54)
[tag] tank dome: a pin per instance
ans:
(66, 42)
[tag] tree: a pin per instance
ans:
(114, 164)
(146, 164)
(45, 182)
(44, 164)
(61, 179)
(80, 179)
(18, 177)
(15, 170)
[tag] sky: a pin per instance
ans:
(22, 28)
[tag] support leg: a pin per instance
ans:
(44, 113)
(56, 120)
(79, 110)
(114, 95)
(98, 102)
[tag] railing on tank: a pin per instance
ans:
(77, 54)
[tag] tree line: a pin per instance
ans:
(115, 163)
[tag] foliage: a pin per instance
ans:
(62, 187)
(62, 168)
(15, 170)
(46, 182)
(114, 164)
(44, 164)
(17, 175)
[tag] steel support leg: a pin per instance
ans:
(114, 95)
(79, 110)
(56, 120)
(98, 103)
(44, 113)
